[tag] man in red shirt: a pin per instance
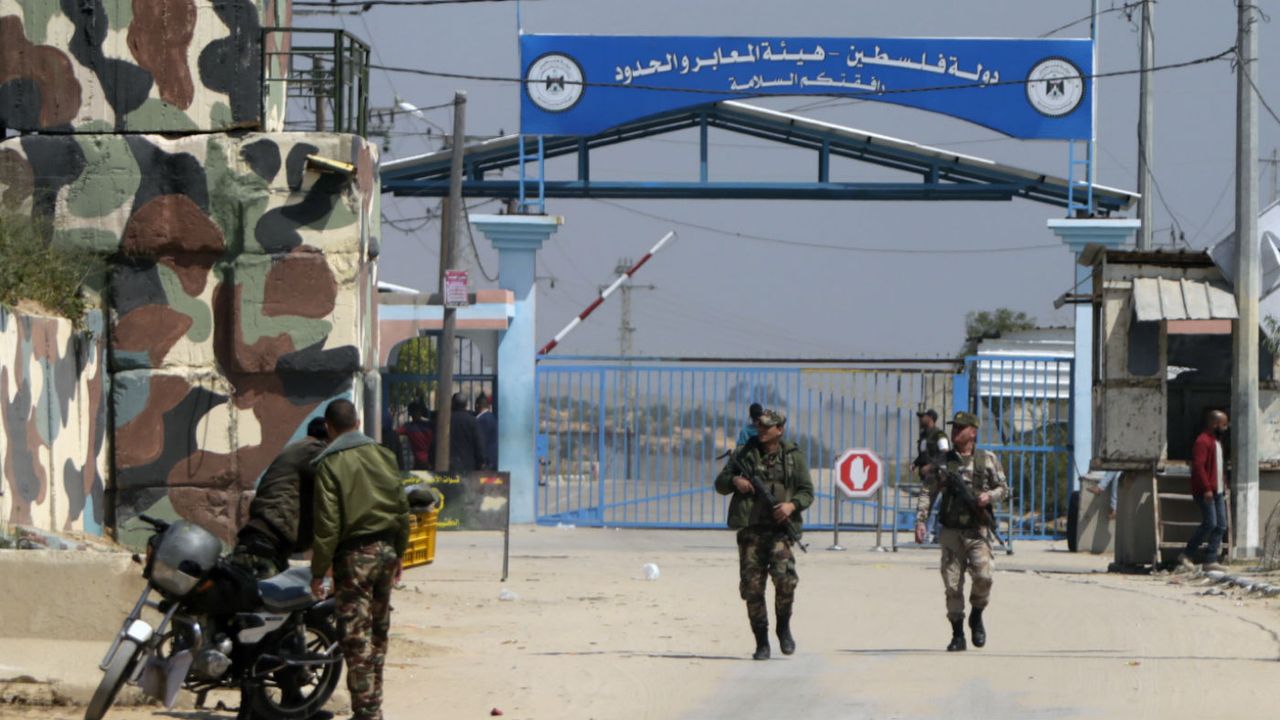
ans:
(1208, 489)
(420, 435)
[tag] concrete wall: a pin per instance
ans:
(241, 298)
(53, 459)
(96, 66)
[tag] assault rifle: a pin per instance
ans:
(953, 482)
(763, 494)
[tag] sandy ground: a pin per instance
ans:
(588, 638)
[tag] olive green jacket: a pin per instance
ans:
(359, 493)
(795, 486)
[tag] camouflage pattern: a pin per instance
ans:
(763, 553)
(262, 566)
(242, 297)
(150, 66)
(363, 577)
(53, 423)
(966, 550)
(992, 480)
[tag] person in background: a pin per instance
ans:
(487, 422)
(420, 436)
(749, 430)
(1208, 489)
(466, 451)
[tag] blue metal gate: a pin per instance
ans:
(1023, 404)
(638, 444)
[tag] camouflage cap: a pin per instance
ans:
(770, 418)
(964, 418)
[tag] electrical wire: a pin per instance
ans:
(825, 246)
(1126, 8)
(466, 216)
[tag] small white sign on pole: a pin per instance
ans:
(455, 288)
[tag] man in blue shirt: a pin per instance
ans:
(749, 431)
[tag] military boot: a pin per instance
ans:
(762, 642)
(957, 636)
(976, 629)
(785, 642)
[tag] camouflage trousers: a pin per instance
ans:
(362, 579)
(261, 566)
(763, 553)
(966, 550)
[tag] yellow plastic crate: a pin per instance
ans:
(422, 539)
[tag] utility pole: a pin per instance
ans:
(1146, 112)
(625, 332)
(452, 208)
(1244, 380)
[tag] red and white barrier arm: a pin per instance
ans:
(607, 291)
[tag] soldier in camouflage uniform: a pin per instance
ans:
(932, 442)
(966, 543)
(764, 547)
(361, 531)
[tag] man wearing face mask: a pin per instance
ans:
(965, 540)
(1208, 489)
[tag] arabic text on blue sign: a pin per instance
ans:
(586, 84)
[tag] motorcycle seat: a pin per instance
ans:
(288, 591)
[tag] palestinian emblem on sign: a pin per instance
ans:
(554, 82)
(1055, 87)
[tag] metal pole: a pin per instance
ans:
(835, 515)
(448, 257)
(1146, 112)
(1244, 380)
(879, 516)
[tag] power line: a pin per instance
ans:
(466, 212)
(825, 246)
(743, 95)
(1127, 7)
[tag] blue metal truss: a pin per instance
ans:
(943, 174)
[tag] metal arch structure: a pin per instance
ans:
(944, 174)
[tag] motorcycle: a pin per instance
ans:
(221, 628)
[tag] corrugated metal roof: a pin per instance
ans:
(1182, 299)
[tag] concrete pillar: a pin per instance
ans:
(517, 238)
(1078, 234)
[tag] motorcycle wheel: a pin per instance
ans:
(310, 687)
(121, 667)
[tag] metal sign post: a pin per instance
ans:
(835, 515)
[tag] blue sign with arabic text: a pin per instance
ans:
(586, 84)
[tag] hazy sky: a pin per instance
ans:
(721, 295)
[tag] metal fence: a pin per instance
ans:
(322, 76)
(1023, 404)
(638, 444)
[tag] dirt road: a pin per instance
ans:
(588, 638)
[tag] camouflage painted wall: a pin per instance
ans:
(242, 296)
(53, 418)
(135, 65)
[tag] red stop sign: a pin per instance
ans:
(859, 473)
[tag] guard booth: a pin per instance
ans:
(1163, 324)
